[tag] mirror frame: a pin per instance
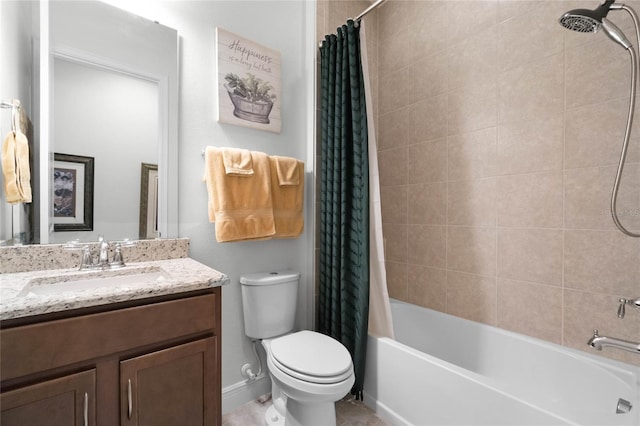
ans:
(168, 102)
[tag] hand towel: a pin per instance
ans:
(288, 198)
(287, 170)
(240, 205)
(24, 171)
(15, 168)
(237, 161)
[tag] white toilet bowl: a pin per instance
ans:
(313, 371)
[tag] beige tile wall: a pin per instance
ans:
(499, 136)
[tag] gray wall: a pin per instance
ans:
(279, 25)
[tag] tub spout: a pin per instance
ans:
(598, 342)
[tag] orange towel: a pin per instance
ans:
(288, 198)
(237, 161)
(15, 168)
(240, 205)
(287, 170)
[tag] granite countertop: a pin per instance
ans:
(19, 296)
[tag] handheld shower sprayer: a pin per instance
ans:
(591, 21)
(615, 33)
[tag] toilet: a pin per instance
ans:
(309, 371)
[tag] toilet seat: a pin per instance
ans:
(311, 357)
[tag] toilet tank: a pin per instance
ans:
(269, 303)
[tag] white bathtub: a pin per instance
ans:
(444, 370)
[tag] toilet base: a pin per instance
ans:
(298, 414)
(301, 414)
(272, 417)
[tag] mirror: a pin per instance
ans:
(110, 119)
(109, 73)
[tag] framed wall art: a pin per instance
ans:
(249, 84)
(72, 192)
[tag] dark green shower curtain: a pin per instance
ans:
(344, 198)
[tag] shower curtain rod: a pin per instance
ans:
(365, 12)
(369, 9)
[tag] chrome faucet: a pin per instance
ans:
(598, 342)
(101, 258)
(631, 302)
(89, 261)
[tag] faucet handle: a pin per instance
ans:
(621, 311)
(118, 261)
(87, 261)
(623, 302)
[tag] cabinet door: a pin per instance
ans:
(175, 386)
(66, 401)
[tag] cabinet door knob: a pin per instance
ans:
(129, 399)
(86, 409)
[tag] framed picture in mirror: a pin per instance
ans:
(149, 201)
(73, 179)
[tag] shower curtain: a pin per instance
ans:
(353, 296)
(380, 322)
(343, 309)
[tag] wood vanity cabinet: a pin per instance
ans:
(67, 400)
(168, 386)
(150, 362)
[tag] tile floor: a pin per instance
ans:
(349, 412)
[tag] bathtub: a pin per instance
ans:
(444, 370)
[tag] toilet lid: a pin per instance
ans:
(312, 356)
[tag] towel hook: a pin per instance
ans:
(8, 104)
(16, 117)
(15, 113)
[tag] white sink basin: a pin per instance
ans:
(93, 280)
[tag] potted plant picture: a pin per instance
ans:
(250, 96)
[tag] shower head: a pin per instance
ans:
(590, 21)
(586, 20)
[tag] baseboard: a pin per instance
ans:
(242, 392)
(383, 411)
